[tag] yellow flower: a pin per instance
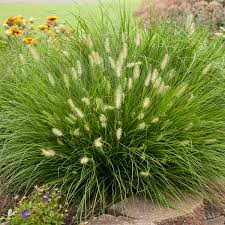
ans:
(30, 40)
(52, 18)
(51, 32)
(43, 27)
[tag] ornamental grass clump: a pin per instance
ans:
(116, 111)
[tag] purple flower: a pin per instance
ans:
(46, 198)
(25, 213)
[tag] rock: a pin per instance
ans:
(217, 221)
(144, 212)
(111, 220)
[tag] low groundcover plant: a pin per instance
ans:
(41, 207)
(115, 111)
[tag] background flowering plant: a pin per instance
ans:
(42, 207)
(209, 13)
(18, 28)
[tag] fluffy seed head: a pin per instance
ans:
(141, 116)
(138, 39)
(66, 80)
(86, 101)
(206, 69)
(74, 74)
(181, 89)
(144, 174)
(95, 58)
(79, 68)
(22, 59)
(130, 83)
(165, 61)
(148, 79)
(77, 132)
(155, 76)
(119, 133)
(51, 79)
(75, 109)
(155, 120)
(112, 63)
(33, 52)
(107, 45)
(48, 153)
(136, 72)
(146, 102)
(57, 132)
(98, 143)
(84, 160)
(142, 126)
(103, 118)
(119, 97)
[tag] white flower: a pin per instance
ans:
(98, 143)
(51, 79)
(48, 153)
(57, 132)
(142, 126)
(146, 102)
(119, 98)
(84, 160)
(155, 120)
(165, 62)
(119, 133)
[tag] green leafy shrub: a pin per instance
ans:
(42, 207)
(115, 111)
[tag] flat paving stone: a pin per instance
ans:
(217, 221)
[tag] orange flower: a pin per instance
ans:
(16, 32)
(52, 18)
(30, 40)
